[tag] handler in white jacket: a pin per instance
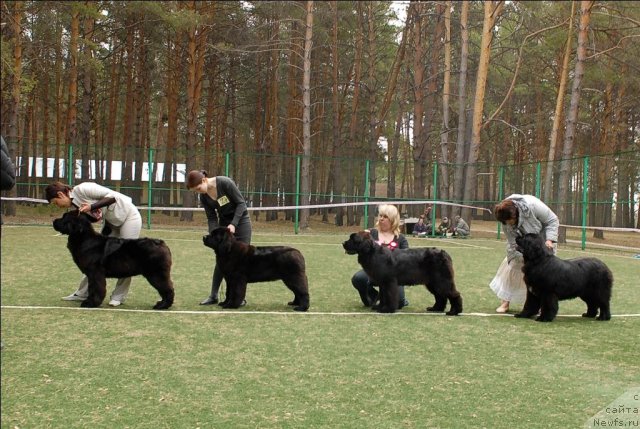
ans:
(117, 210)
(520, 214)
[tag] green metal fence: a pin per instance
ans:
(604, 190)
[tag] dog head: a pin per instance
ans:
(359, 243)
(73, 222)
(220, 240)
(532, 247)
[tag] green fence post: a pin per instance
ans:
(538, 172)
(150, 190)
(500, 191)
(366, 194)
(584, 201)
(297, 217)
(226, 164)
(70, 167)
(435, 198)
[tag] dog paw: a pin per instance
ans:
(522, 315)
(161, 305)
(435, 310)
(300, 308)
(543, 319)
(452, 313)
(89, 304)
(588, 315)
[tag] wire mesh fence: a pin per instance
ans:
(603, 191)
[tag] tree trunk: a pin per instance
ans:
(12, 126)
(57, 174)
(458, 179)
(196, 52)
(444, 132)
(72, 107)
(86, 78)
(555, 131)
(174, 70)
(293, 127)
(370, 146)
(492, 10)
(114, 95)
(624, 203)
(355, 107)
(306, 117)
(420, 156)
(572, 118)
(336, 178)
(127, 119)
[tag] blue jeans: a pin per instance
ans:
(368, 293)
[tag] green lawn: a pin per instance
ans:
(265, 366)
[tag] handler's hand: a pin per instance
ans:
(85, 208)
(549, 244)
(231, 228)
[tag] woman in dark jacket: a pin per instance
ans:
(224, 205)
(7, 170)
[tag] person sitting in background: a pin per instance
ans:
(420, 229)
(461, 228)
(444, 227)
(427, 213)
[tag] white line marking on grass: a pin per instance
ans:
(279, 313)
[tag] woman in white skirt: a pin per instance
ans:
(520, 214)
(121, 218)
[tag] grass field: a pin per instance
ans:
(337, 366)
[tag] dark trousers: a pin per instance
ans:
(368, 292)
(243, 233)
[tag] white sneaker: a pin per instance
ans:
(114, 303)
(74, 297)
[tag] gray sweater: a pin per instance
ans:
(534, 217)
(229, 208)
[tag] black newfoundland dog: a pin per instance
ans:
(100, 257)
(388, 269)
(550, 279)
(241, 263)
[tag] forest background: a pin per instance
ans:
(346, 95)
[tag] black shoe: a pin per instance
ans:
(209, 301)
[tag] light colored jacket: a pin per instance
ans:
(115, 214)
(462, 228)
(534, 217)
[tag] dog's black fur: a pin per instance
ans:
(388, 269)
(550, 279)
(100, 257)
(241, 263)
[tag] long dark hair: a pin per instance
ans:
(194, 178)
